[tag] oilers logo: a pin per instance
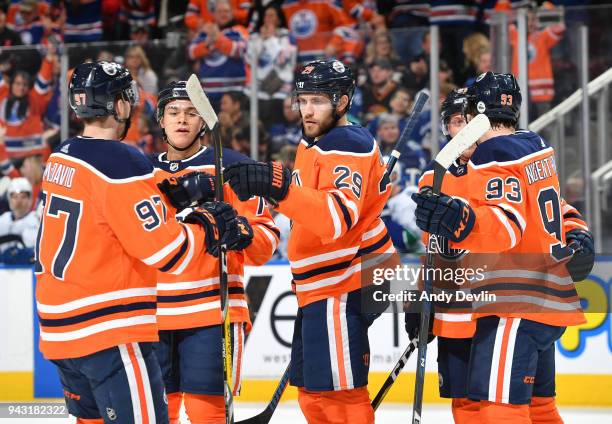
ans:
(303, 24)
(439, 245)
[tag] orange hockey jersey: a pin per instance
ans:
(539, 68)
(101, 241)
(335, 202)
(24, 132)
(514, 193)
(198, 11)
(315, 24)
(191, 299)
(454, 320)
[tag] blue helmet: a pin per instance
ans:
(331, 77)
(95, 86)
(498, 96)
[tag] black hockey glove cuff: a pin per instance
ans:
(581, 263)
(189, 190)
(269, 180)
(443, 215)
(218, 220)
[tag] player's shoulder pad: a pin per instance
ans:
(113, 159)
(508, 148)
(347, 140)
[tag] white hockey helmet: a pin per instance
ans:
(19, 185)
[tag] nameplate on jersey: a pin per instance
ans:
(60, 174)
(541, 169)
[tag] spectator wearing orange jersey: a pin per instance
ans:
(25, 17)
(200, 12)
(145, 108)
(541, 80)
(321, 28)
(22, 108)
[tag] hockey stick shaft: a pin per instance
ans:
(451, 152)
(266, 415)
(419, 103)
(204, 108)
(395, 372)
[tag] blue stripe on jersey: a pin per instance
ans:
(507, 148)
(112, 158)
(202, 158)
(347, 138)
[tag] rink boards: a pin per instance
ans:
(584, 353)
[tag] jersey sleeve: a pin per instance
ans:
(234, 45)
(499, 208)
(266, 234)
(40, 95)
(134, 212)
(572, 219)
(334, 207)
(552, 35)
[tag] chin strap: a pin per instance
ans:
(127, 121)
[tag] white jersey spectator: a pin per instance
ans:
(20, 221)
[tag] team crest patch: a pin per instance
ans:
(110, 68)
(173, 166)
(338, 66)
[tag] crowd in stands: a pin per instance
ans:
(385, 42)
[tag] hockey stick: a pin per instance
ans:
(265, 416)
(451, 152)
(206, 111)
(395, 154)
(395, 372)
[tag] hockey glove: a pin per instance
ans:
(412, 322)
(239, 234)
(189, 190)
(443, 215)
(581, 264)
(218, 220)
(269, 180)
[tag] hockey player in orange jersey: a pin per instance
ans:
(334, 200)
(102, 238)
(188, 311)
(501, 183)
(453, 327)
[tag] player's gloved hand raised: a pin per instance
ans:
(412, 322)
(218, 219)
(581, 263)
(269, 180)
(443, 215)
(239, 234)
(189, 190)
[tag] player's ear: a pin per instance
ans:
(343, 103)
